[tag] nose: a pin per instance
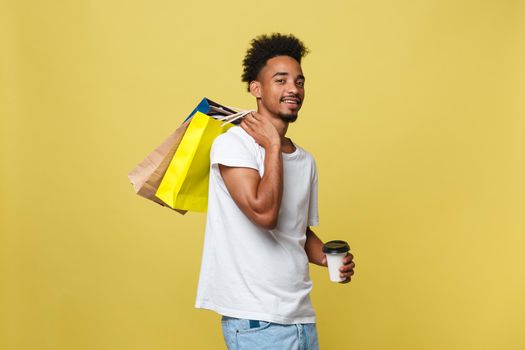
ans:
(291, 87)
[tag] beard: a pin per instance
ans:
(289, 118)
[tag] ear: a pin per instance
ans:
(255, 89)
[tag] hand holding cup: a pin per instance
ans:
(339, 261)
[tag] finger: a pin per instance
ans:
(346, 280)
(250, 120)
(347, 267)
(349, 270)
(246, 127)
(349, 257)
(257, 118)
(346, 274)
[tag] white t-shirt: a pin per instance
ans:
(247, 271)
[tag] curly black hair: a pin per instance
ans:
(265, 47)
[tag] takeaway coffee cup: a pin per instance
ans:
(335, 252)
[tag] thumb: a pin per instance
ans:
(323, 262)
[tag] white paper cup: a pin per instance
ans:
(335, 252)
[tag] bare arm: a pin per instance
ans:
(314, 248)
(314, 251)
(258, 198)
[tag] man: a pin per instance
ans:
(262, 202)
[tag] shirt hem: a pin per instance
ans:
(253, 315)
(313, 223)
(235, 162)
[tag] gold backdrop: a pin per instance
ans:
(414, 112)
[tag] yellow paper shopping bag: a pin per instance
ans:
(185, 183)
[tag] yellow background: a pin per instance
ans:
(414, 112)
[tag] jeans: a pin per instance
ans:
(241, 334)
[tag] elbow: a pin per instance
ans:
(266, 217)
(267, 222)
(271, 225)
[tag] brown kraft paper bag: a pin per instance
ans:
(147, 175)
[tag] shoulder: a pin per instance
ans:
(235, 148)
(305, 155)
(235, 136)
(308, 161)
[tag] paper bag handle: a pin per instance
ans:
(233, 117)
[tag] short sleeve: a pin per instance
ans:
(234, 150)
(313, 209)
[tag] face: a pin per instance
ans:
(279, 88)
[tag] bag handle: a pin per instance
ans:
(233, 108)
(233, 117)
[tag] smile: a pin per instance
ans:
(292, 101)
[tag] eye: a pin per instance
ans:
(300, 83)
(280, 81)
